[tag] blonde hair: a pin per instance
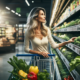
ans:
(32, 23)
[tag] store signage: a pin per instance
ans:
(18, 10)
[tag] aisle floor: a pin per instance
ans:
(4, 57)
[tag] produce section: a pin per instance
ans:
(66, 26)
(62, 68)
(62, 17)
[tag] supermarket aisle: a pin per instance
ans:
(4, 57)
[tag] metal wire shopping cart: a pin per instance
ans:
(42, 64)
(36, 60)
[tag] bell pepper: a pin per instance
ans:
(24, 79)
(34, 69)
(32, 76)
(23, 74)
(65, 78)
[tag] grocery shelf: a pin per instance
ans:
(73, 73)
(73, 47)
(71, 13)
(58, 77)
(69, 29)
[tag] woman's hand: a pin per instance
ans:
(72, 39)
(45, 54)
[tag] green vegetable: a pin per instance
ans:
(74, 63)
(43, 75)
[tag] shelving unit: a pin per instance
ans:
(73, 47)
(74, 73)
(64, 27)
(68, 16)
(75, 28)
(7, 41)
(20, 34)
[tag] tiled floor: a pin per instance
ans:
(4, 57)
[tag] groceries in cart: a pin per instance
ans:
(22, 71)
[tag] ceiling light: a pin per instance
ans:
(0, 17)
(12, 11)
(27, 2)
(7, 8)
(19, 15)
(53, 13)
(32, 1)
(16, 13)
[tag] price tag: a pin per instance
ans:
(65, 29)
(70, 29)
(74, 48)
(77, 8)
(78, 28)
(72, 12)
(69, 15)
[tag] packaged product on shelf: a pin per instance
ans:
(74, 4)
(71, 6)
(12, 41)
(4, 39)
(77, 2)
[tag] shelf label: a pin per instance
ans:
(65, 29)
(78, 51)
(72, 12)
(78, 28)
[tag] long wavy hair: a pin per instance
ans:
(32, 23)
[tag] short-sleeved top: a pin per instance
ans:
(38, 44)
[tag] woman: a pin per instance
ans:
(39, 34)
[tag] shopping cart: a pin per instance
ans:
(37, 60)
(47, 63)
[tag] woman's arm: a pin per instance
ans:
(51, 40)
(57, 45)
(66, 42)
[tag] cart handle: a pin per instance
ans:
(33, 55)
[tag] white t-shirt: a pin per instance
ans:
(39, 45)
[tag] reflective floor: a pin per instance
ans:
(4, 66)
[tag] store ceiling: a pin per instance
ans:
(23, 8)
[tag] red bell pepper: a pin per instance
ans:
(65, 78)
(32, 76)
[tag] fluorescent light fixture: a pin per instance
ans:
(53, 13)
(32, 1)
(27, 2)
(12, 11)
(19, 15)
(7, 8)
(0, 17)
(16, 13)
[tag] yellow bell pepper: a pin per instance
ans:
(22, 73)
(34, 69)
(24, 79)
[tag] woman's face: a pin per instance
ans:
(41, 16)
